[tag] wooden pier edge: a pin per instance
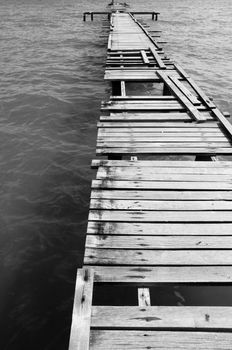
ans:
(154, 222)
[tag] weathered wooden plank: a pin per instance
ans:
(192, 98)
(158, 139)
(170, 164)
(145, 170)
(164, 185)
(160, 216)
(139, 133)
(151, 174)
(178, 144)
(167, 150)
(142, 257)
(80, 330)
(137, 98)
(163, 274)
(169, 229)
(180, 127)
(162, 317)
(149, 117)
(135, 75)
(143, 340)
(154, 205)
(143, 107)
(162, 195)
(159, 242)
(143, 102)
(177, 92)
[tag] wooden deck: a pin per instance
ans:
(152, 221)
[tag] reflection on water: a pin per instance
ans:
(52, 68)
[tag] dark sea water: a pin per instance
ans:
(51, 68)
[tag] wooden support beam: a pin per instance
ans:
(123, 88)
(144, 297)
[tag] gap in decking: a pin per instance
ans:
(165, 294)
(144, 89)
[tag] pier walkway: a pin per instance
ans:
(154, 220)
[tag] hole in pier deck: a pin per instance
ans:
(144, 89)
(164, 295)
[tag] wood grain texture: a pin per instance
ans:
(162, 317)
(160, 216)
(163, 164)
(158, 242)
(80, 330)
(162, 205)
(164, 174)
(166, 229)
(147, 275)
(161, 195)
(142, 257)
(157, 340)
(164, 185)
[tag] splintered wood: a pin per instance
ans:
(155, 221)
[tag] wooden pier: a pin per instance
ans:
(155, 221)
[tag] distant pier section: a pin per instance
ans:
(161, 205)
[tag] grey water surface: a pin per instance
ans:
(51, 68)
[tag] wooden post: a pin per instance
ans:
(91, 14)
(153, 16)
(156, 16)
(84, 16)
